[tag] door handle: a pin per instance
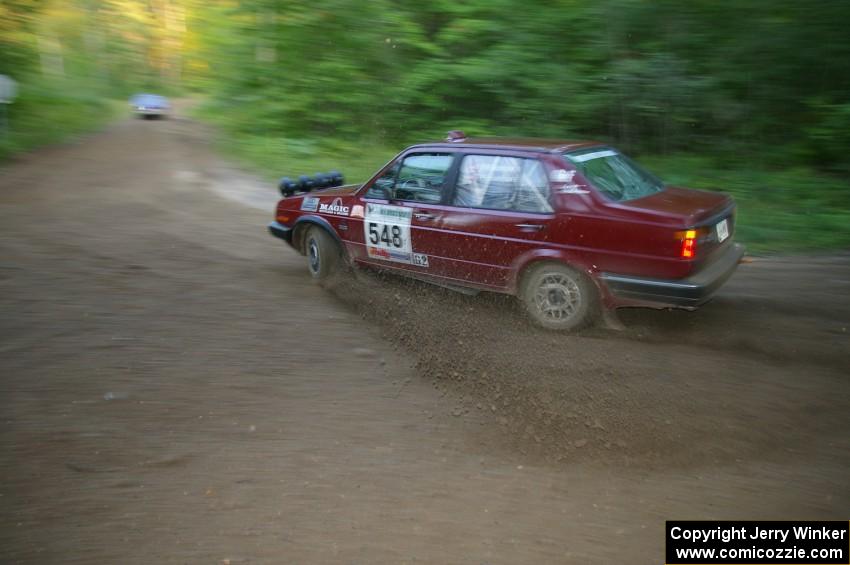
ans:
(530, 227)
(424, 216)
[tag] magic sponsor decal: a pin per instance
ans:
(336, 208)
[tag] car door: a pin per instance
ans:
(498, 209)
(402, 212)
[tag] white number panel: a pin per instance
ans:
(387, 232)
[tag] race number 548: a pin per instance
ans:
(391, 236)
(387, 232)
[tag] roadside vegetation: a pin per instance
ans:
(76, 63)
(750, 97)
(780, 210)
(275, 155)
(44, 115)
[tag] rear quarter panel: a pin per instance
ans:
(598, 236)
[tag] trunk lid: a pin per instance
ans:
(711, 215)
(695, 208)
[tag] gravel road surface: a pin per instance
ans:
(175, 389)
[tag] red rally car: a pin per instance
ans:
(568, 227)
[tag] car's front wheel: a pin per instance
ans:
(558, 297)
(322, 253)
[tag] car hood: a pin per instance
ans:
(336, 191)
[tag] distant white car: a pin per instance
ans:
(150, 106)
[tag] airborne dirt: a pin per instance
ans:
(176, 390)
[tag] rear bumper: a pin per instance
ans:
(682, 293)
(280, 231)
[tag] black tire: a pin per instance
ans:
(558, 297)
(322, 253)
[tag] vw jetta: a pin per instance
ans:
(568, 227)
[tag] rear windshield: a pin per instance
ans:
(613, 174)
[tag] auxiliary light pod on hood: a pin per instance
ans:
(305, 183)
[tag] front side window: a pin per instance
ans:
(502, 183)
(613, 174)
(422, 176)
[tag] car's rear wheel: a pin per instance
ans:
(322, 253)
(558, 297)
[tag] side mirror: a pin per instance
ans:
(378, 191)
(381, 189)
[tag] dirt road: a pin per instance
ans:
(175, 390)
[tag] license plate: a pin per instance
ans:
(722, 230)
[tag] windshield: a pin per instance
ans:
(613, 174)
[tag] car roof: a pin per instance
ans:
(529, 144)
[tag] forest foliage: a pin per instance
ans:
(755, 86)
(769, 77)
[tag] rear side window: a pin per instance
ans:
(613, 174)
(502, 183)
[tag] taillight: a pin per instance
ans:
(689, 244)
(691, 240)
